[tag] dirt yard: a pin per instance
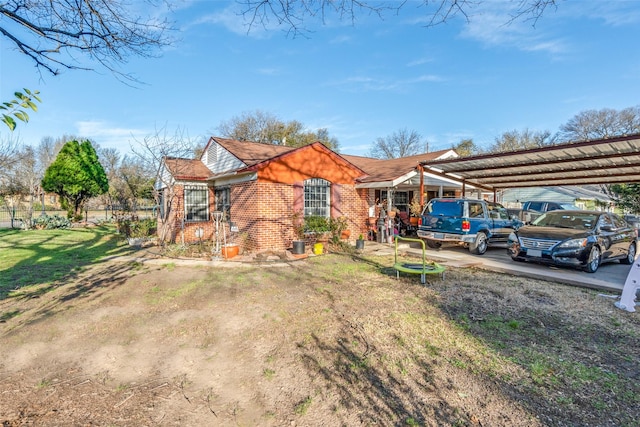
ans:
(325, 341)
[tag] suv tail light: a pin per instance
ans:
(466, 225)
(419, 220)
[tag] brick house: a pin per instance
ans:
(259, 187)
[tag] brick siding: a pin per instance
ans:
(263, 212)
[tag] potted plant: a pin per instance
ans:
(416, 210)
(317, 227)
(297, 220)
(230, 250)
(360, 242)
(338, 229)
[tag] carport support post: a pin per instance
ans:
(421, 172)
(631, 286)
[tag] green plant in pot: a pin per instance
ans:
(317, 227)
(337, 226)
(360, 242)
(298, 223)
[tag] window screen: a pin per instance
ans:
(196, 204)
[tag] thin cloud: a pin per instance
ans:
(370, 84)
(341, 39)
(614, 14)
(419, 61)
(109, 136)
(234, 22)
(494, 26)
(269, 71)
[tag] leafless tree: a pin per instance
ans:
(255, 126)
(129, 181)
(521, 140)
(607, 123)
(19, 182)
(53, 32)
(466, 147)
(152, 154)
(604, 123)
(9, 152)
(259, 126)
(294, 14)
(401, 143)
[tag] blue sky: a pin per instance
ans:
(450, 82)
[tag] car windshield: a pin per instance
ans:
(578, 221)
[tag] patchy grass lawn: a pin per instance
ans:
(43, 257)
(332, 340)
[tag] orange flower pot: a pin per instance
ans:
(229, 251)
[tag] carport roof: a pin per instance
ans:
(603, 161)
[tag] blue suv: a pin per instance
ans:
(475, 224)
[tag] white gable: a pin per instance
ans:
(218, 160)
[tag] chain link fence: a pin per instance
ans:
(16, 218)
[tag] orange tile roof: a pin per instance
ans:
(254, 153)
(251, 153)
(187, 169)
(389, 169)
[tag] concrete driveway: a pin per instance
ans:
(610, 277)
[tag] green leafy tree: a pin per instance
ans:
(16, 108)
(627, 196)
(76, 175)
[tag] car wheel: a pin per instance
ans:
(631, 255)
(479, 246)
(434, 244)
(594, 260)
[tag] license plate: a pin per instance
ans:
(534, 252)
(438, 236)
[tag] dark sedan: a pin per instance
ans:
(582, 239)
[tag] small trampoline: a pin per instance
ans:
(412, 267)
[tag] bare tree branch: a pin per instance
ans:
(295, 14)
(401, 143)
(51, 32)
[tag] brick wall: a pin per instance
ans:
(263, 211)
(185, 231)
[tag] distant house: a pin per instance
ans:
(259, 187)
(584, 197)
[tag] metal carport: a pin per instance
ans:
(602, 161)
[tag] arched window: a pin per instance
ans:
(317, 197)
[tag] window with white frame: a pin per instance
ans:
(317, 197)
(196, 203)
(400, 200)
